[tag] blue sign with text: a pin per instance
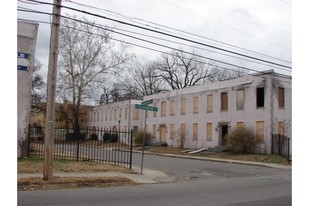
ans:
(23, 61)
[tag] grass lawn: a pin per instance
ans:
(31, 165)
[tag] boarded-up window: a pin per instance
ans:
(120, 111)
(260, 131)
(240, 99)
(239, 125)
(154, 130)
(163, 108)
(209, 103)
(135, 114)
(195, 131)
(195, 105)
(110, 115)
(126, 113)
(260, 97)
(172, 131)
(281, 97)
(281, 128)
(182, 131)
(106, 115)
(183, 106)
(209, 131)
(224, 101)
(172, 107)
(115, 114)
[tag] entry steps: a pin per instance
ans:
(209, 150)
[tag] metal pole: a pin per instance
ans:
(142, 163)
(51, 93)
(131, 146)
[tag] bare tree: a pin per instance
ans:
(87, 57)
(141, 80)
(37, 92)
(224, 74)
(180, 70)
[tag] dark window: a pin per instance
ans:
(260, 97)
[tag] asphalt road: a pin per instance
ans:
(190, 182)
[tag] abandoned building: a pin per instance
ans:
(200, 116)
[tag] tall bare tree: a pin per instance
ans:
(38, 85)
(180, 70)
(141, 80)
(87, 57)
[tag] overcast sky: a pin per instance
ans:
(252, 27)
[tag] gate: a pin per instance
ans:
(87, 144)
(281, 145)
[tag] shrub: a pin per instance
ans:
(106, 137)
(73, 137)
(93, 136)
(114, 137)
(138, 138)
(241, 140)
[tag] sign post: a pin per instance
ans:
(144, 106)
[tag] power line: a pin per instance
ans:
(147, 41)
(185, 32)
(228, 26)
(166, 34)
(179, 50)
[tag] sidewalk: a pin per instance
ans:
(148, 176)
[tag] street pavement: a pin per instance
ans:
(149, 176)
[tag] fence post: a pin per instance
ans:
(131, 146)
(279, 145)
(28, 142)
(272, 143)
(77, 155)
(288, 150)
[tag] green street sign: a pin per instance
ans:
(145, 107)
(147, 102)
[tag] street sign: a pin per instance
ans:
(23, 61)
(145, 107)
(147, 102)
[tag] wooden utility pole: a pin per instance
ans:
(51, 93)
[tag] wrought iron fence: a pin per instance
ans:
(282, 146)
(84, 144)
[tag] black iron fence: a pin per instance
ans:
(282, 145)
(84, 144)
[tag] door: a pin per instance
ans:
(163, 134)
(224, 131)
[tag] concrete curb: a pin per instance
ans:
(148, 176)
(230, 161)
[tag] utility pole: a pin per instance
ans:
(51, 93)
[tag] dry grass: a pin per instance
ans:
(36, 166)
(36, 183)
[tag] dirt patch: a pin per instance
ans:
(36, 183)
(36, 166)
